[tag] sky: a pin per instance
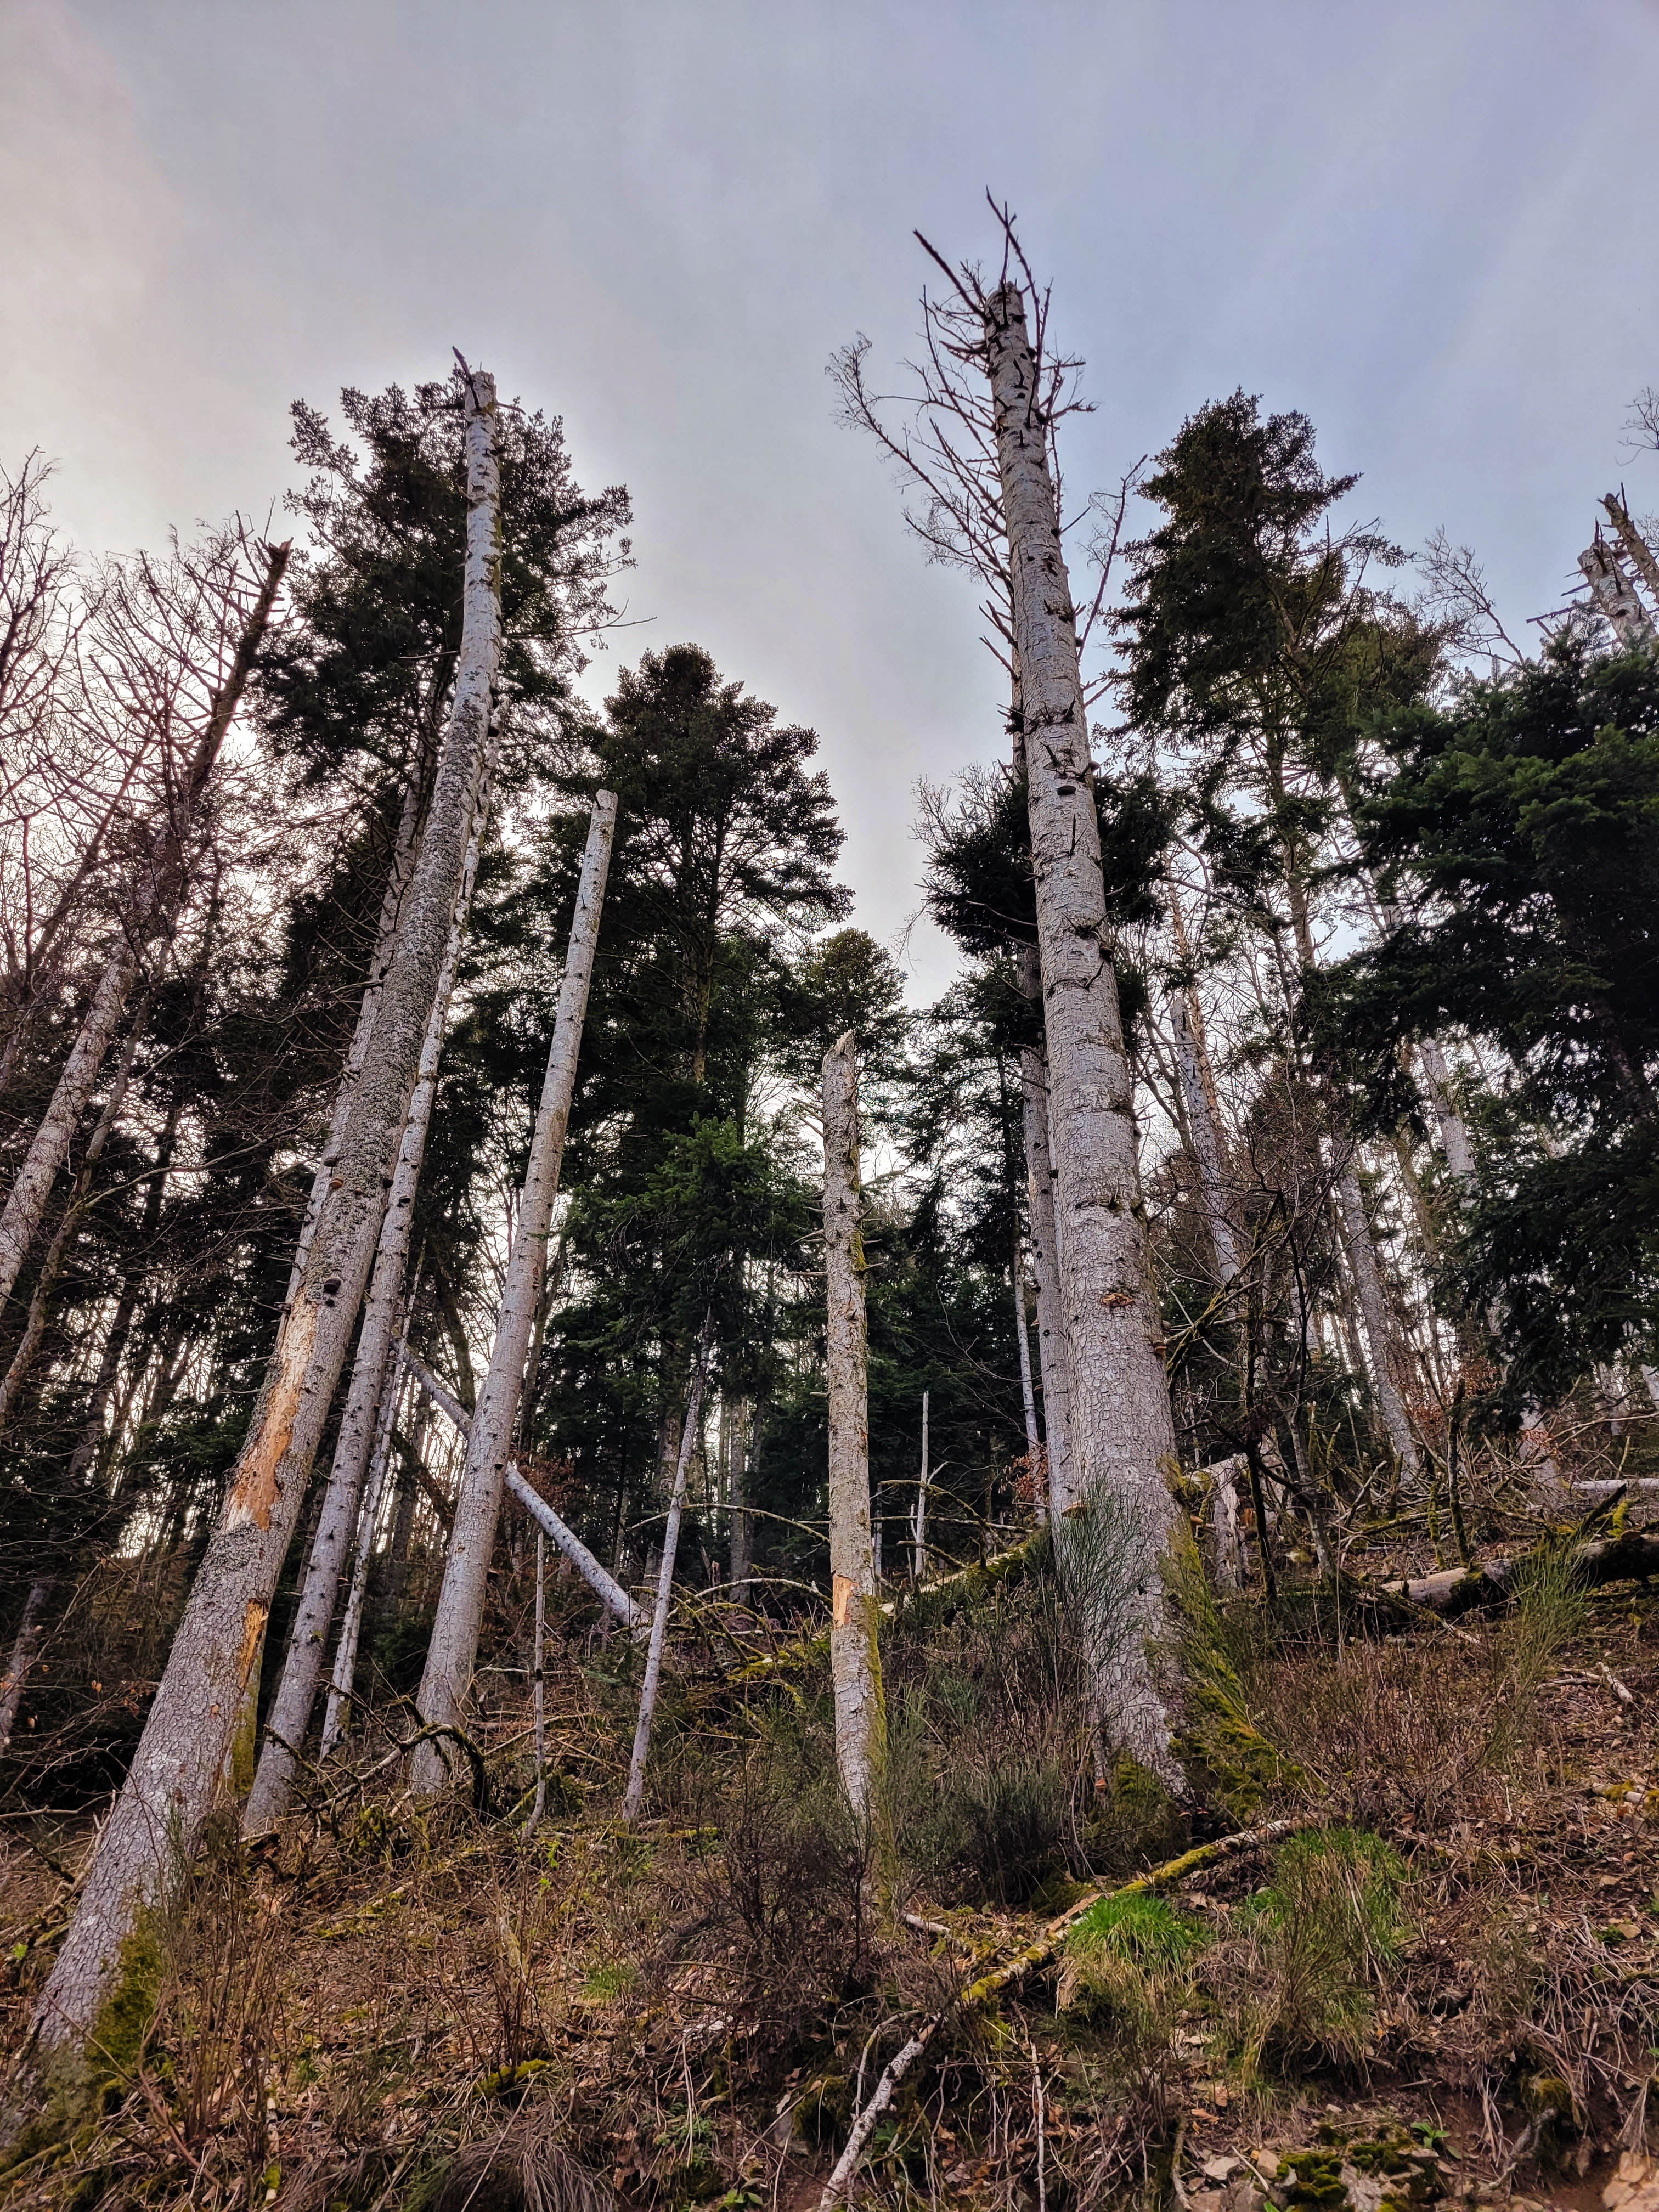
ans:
(1431, 228)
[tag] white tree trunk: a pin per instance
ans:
(22, 1656)
(854, 1611)
(450, 1655)
(1052, 1364)
(1454, 1135)
(1027, 1396)
(1373, 1313)
(1615, 595)
(155, 908)
(152, 1830)
(1122, 1435)
(635, 1796)
(738, 1501)
(296, 1693)
(1227, 1521)
(386, 943)
(344, 1674)
(1636, 550)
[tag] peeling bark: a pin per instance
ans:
(152, 1830)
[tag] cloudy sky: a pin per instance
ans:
(1432, 227)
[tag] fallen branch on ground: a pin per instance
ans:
(984, 1987)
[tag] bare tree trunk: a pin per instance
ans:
(386, 944)
(1122, 1434)
(635, 1796)
(1027, 1396)
(854, 1613)
(64, 1237)
(920, 1523)
(296, 1694)
(454, 1645)
(1454, 1135)
(1368, 1289)
(604, 1586)
(1206, 1144)
(1636, 550)
(155, 910)
(344, 1671)
(1615, 595)
(1052, 1364)
(152, 1830)
(22, 1656)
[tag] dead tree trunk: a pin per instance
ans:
(1053, 1364)
(1122, 1434)
(1374, 1316)
(919, 1524)
(296, 1694)
(1615, 595)
(1636, 550)
(1028, 1395)
(454, 1645)
(22, 1656)
(854, 1613)
(738, 1561)
(690, 1428)
(152, 1830)
(343, 1673)
(154, 910)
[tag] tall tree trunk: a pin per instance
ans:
(855, 1614)
(738, 1561)
(1052, 1364)
(296, 1694)
(343, 1673)
(1374, 1313)
(152, 1830)
(1453, 1133)
(448, 1674)
(1205, 1142)
(1027, 1396)
(634, 1797)
(154, 910)
(386, 944)
(1122, 1434)
(920, 1523)
(22, 1656)
(1636, 550)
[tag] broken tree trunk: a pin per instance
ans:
(150, 1835)
(1121, 1432)
(690, 1430)
(1615, 595)
(22, 1655)
(854, 1611)
(296, 1694)
(155, 909)
(448, 1676)
(1636, 550)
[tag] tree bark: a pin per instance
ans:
(155, 907)
(1453, 1133)
(151, 1833)
(634, 1796)
(920, 1523)
(1053, 1364)
(454, 1645)
(1637, 551)
(22, 1656)
(1373, 1312)
(296, 1694)
(854, 1613)
(1207, 1143)
(1027, 1396)
(1615, 595)
(737, 1563)
(343, 1675)
(1122, 1434)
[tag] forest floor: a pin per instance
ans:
(1444, 1988)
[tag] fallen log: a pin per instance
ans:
(1627, 1557)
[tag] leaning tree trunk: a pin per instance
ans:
(1122, 1434)
(22, 1656)
(1637, 551)
(854, 1611)
(454, 1645)
(184, 1750)
(691, 1429)
(155, 908)
(296, 1694)
(344, 1671)
(1454, 1133)
(386, 944)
